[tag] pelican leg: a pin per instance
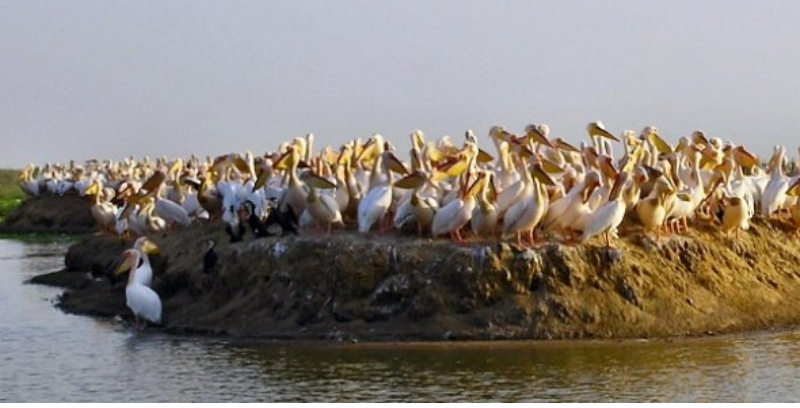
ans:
(457, 237)
(607, 239)
(519, 239)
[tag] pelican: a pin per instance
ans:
(418, 208)
(484, 216)
(295, 194)
(598, 129)
(775, 191)
(608, 217)
(145, 247)
(566, 212)
(734, 217)
(322, 207)
(456, 214)
(376, 203)
(652, 211)
(140, 299)
(526, 213)
(104, 212)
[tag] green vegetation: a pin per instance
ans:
(10, 193)
(42, 237)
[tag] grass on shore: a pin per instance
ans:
(10, 193)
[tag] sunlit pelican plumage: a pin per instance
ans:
(140, 299)
(608, 217)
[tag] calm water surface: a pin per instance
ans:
(46, 355)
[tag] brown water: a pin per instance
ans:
(46, 355)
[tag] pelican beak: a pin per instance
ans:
(412, 181)
(535, 135)
(149, 248)
(434, 154)
(617, 188)
(395, 164)
(595, 130)
(126, 265)
(542, 176)
(607, 167)
(551, 167)
(286, 160)
(455, 167)
(344, 156)
(662, 146)
(562, 145)
(261, 180)
(94, 189)
(484, 157)
(493, 193)
(477, 185)
(589, 190)
(154, 181)
(240, 164)
(744, 158)
(369, 151)
(699, 138)
(794, 190)
(317, 181)
(417, 141)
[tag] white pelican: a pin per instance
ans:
(734, 217)
(456, 214)
(375, 204)
(418, 208)
(485, 216)
(143, 301)
(526, 213)
(565, 212)
(144, 274)
(104, 212)
(296, 194)
(598, 129)
(608, 217)
(775, 191)
(322, 207)
(652, 211)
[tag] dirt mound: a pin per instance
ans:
(398, 288)
(69, 214)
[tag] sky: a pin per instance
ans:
(110, 79)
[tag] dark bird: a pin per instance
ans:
(233, 225)
(284, 217)
(210, 258)
(256, 225)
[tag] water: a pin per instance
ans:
(49, 356)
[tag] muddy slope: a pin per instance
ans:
(69, 214)
(397, 288)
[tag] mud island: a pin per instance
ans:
(547, 241)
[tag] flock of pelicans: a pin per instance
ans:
(531, 187)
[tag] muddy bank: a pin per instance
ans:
(396, 288)
(68, 214)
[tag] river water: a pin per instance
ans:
(46, 355)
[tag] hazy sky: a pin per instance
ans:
(83, 79)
